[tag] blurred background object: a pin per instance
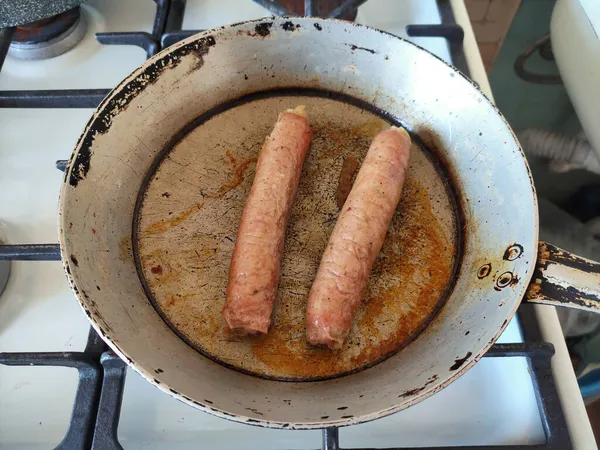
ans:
(491, 20)
(543, 60)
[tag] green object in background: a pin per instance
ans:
(529, 105)
(525, 104)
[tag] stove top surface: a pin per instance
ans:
(495, 403)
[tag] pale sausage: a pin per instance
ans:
(356, 240)
(255, 263)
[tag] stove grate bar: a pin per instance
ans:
(30, 252)
(449, 30)
(150, 42)
(345, 8)
(62, 164)
(65, 98)
(112, 384)
(539, 355)
(160, 18)
(175, 15)
(172, 37)
(109, 408)
(138, 39)
(79, 434)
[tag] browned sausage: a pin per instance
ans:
(356, 240)
(255, 266)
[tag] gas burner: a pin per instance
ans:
(49, 37)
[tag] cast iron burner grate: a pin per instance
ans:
(97, 406)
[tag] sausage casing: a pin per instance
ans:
(357, 239)
(255, 264)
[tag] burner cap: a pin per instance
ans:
(49, 37)
(18, 12)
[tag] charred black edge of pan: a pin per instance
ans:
(122, 96)
(565, 258)
(431, 153)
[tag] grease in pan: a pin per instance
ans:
(208, 174)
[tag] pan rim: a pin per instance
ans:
(101, 111)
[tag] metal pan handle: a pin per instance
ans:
(564, 279)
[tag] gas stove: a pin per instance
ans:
(78, 394)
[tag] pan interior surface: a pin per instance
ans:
(186, 222)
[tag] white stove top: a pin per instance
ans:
(493, 403)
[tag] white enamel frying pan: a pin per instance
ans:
(155, 187)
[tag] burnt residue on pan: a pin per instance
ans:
(460, 361)
(567, 295)
(552, 290)
(413, 392)
(356, 47)
(80, 166)
(207, 171)
(290, 26)
(513, 252)
(200, 52)
(503, 280)
(550, 253)
(263, 29)
(484, 271)
(122, 97)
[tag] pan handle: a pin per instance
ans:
(563, 279)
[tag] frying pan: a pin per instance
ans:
(155, 187)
